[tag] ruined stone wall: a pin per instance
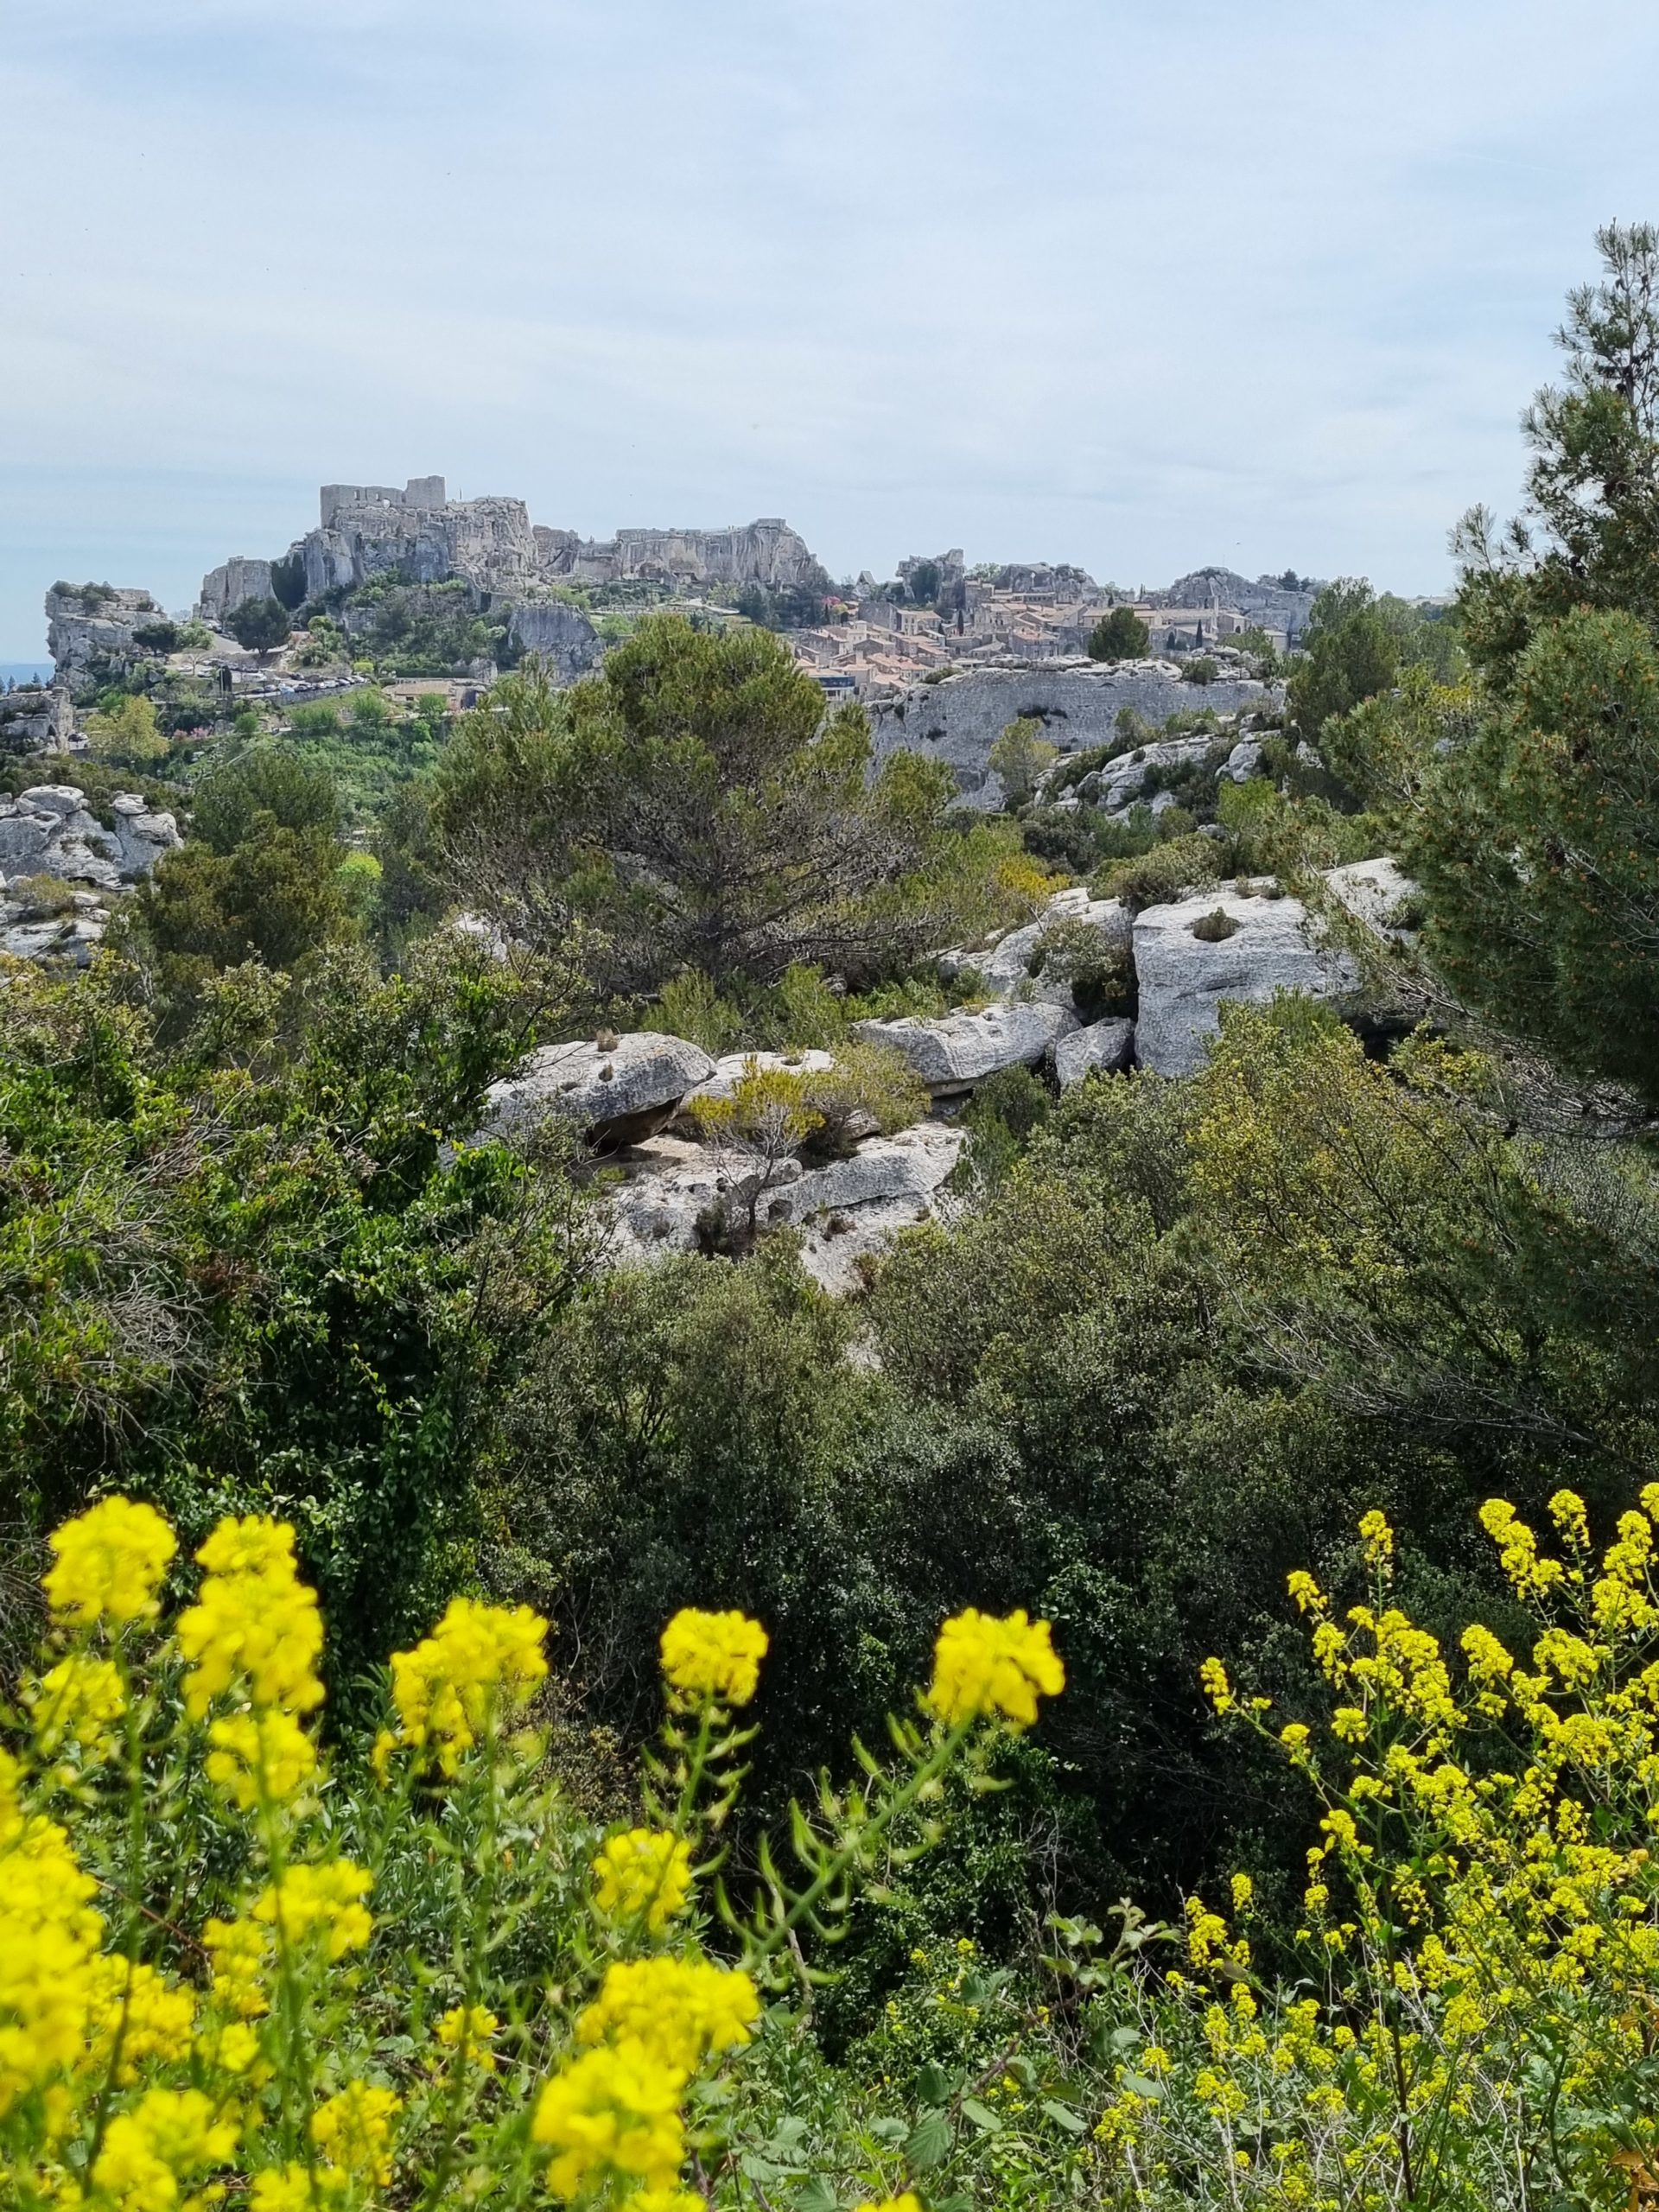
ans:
(959, 720)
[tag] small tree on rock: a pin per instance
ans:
(1021, 757)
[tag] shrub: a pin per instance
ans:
(1098, 968)
(1162, 875)
(1199, 670)
(1215, 927)
(869, 1088)
(224, 1966)
(689, 1006)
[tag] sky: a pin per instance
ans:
(1138, 288)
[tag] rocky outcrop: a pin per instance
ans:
(764, 552)
(1018, 963)
(1106, 1046)
(617, 1092)
(33, 719)
(560, 636)
(1120, 784)
(954, 1052)
(421, 536)
(50, 830)
(89, 632)
(1077, 702)
(673, 1193)
(1221, 945)
(57, 937)
(231, 585)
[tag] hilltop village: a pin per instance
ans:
(426, 594)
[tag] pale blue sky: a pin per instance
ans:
(1136, 287)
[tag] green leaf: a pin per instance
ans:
(981, 2115)
(928, 2141)
(889, 2131)
(935, 2084)
(1063, 2116)
(1142, 2087)
(817, 2196)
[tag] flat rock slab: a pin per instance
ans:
(616, 1096)
(955, 1051)
(1183, 979)
(1109, 1046)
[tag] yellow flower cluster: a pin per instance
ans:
(644, 1870)
(986, 1669)
(77, 1701)
(108, 1565)
(681, 2010)
(169, 2135)
(712, 1658)
(324, 1902)
(468, 2030)
(49, 1934)
(255, 1628)
(611, 2114)
(259, 1756)
(353, 2131)
(480, 1663)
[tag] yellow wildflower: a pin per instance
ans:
(612, 2114)
(109, 1561)
(255, 1623)
(467, 2029)
(1377, 1538)
(326, 1899)
(644, 1870)
(354, 2132)
(907, 2202)
(1217, 1688)
(679, 2010)
(1566, 1511)
(169, 2135)
(260, 1755)
(149, 2017)
(50, 1980)
(713, 1658)
(479, 1659)
(77, 1701)
(985, 1668)
(240, 1951)
(1243, 1892)
(281, 2189)
(1310, 1599)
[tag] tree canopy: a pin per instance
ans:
(692, 806)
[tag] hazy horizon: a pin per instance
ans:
(1068, 283)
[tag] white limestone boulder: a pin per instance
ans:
(1184, 976)
(954, 1052)
(616, 1093)
(1107, 1046)
(1376, 893)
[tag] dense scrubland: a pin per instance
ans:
(1269, 1823)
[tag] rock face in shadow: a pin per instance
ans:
(1187, 962)
(617, 1094)
(560, 636)
(956, 1051)
(1107, 1046)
